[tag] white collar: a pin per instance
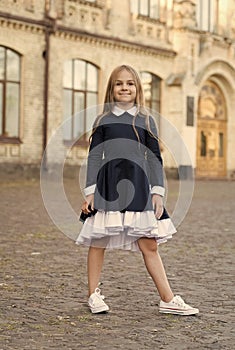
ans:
(118, 111)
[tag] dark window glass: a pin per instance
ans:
(203, 144)
(221, 144)
(190, 111)
(10, 71)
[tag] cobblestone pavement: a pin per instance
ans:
(43, 284)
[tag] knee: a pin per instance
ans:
(147, 246)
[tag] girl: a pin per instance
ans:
(124, 190)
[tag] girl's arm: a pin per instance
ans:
(155, 161)
(93, 165)
(156, 169)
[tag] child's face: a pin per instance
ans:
(124, 89)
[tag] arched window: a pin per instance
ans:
(152, 90)
(10, 67)
(80, 86)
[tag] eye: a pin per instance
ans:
(131, 83)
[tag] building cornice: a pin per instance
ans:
(202, 33)
(25, 23)
(25, 20)
(109, 41)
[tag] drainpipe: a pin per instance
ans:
(50, 28)
(46, 55)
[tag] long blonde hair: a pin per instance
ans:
(109, 101)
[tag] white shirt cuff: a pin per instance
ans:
(158, 190)
(89, 190)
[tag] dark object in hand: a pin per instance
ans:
(84, 216)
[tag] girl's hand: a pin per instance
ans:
(89, 201)
(158, 207)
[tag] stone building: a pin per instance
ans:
(56, 57)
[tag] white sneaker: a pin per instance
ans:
(96, 302)
(177, 306)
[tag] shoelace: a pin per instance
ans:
(97, 292)
(179, 301)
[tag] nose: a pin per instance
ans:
(124, 86)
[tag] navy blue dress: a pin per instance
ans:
(122, 171)
(124, 168)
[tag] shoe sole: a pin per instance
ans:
(100, 309)
(179, 312)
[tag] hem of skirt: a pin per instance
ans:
(130, 243)
(114, 230)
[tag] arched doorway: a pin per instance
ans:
(211, 132)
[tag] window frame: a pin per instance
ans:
(156, 101)
(4, 138)
(148, 15)
(208, 22)
(82, 141)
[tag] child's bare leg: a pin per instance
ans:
(95, 261)
(155, 267)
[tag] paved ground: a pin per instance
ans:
(43, 279)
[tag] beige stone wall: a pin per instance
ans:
(107, 34)
(28, 41)
(33, 9)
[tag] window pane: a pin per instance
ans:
(79, 113)
(211, 19)
(221, 144)
(1, 88)
(2, 62)
(144, 10)
(91, 99)
(155, 88)
(152, 90)
(206, 15)
(13, 66)
(67, 129)
(146, 79)
(12, 109)
(92, 77)
(203, 144)
(79, 75)
(68, 80)
(92, 112)
(154, 9)
(190, 111)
